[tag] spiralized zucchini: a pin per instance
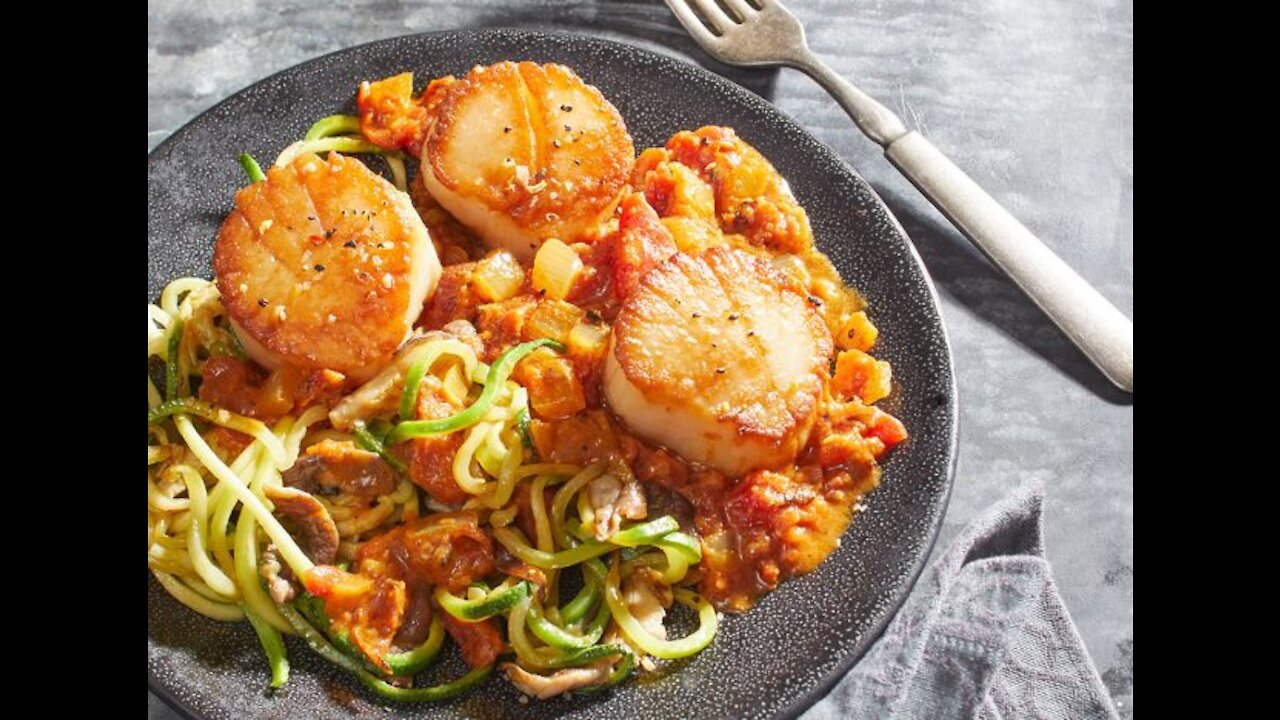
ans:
(210, 518)
(200, 555)
(340, 133)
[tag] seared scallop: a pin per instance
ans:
(720, 358)
(523, 152)
(324, 265)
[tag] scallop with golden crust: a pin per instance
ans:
(720, 358)
(324, 265)
(524, 152)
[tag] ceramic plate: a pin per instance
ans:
(774, 661)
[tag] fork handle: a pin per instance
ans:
(1095, 325)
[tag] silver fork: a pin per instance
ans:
(764, 33)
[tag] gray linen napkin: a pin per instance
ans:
(984, 634)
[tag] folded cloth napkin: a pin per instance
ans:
(984, 634)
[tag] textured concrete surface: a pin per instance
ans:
(1034, 98)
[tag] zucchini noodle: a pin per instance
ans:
(324, 145)
(462, 461)
(367, 519)
(494, 382)
(189, 550)
(252, 504)
(424, 359)
(560, 504)
(209, 518)
(643, 639)
(399, 175)
(211, 574)
(211, 522)
(333, 125)
(516, 544)
(341, 133)
(251, 168)
(246, 549)
(194, 600)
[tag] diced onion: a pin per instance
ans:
(498, 277)
(555, 268)
(588, 339)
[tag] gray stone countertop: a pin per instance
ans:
(1034, 98)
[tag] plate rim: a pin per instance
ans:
(831, 678)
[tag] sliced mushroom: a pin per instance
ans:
(316, 531)
(331, 466)
(417, 617)
(276, 575)
(648, 603)
(613, 500)
(614, 636)
(560, 682)
(379, 397)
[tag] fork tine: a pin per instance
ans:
(690, 21)
(716, 18)
(743, 8)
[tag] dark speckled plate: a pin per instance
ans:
(772, 662)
